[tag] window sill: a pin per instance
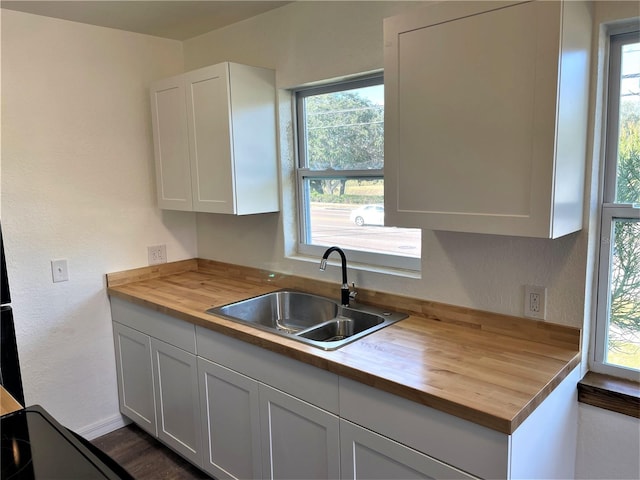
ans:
(611, 393)
(397, 272)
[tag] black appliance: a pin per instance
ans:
(10, 377)
(35, 446)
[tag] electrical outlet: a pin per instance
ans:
(157, 254)
(535, 302)
(59, 270)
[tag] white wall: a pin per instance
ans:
(608, 445)
(77, 183)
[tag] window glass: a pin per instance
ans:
(623, 332)
(628, 170)
(345, 129)
(341, 176)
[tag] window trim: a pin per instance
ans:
(302, 172)
(610, 211)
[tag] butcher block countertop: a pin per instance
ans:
(8, 404)
(488, 368)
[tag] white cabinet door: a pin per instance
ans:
(365, 455)
(175, 374)
(170, 142)
(135, 377)
(485, 117)
(209, 117)
(299, 440)
(230, 418)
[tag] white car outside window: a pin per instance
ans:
(368, 215)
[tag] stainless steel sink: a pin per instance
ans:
(308, 318)
(284, 311)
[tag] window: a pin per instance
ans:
(340, 175)
(617, 345)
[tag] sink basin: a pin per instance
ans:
(343, 326)
(285, 311)
(308, 318)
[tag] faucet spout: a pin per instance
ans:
(344, 289)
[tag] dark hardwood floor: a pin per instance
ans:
(144, 457)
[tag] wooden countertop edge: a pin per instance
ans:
(544, 393)
(318, 358)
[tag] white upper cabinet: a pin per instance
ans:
(486, 107)
(214, 132)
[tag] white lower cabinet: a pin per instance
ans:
(158, 377)
(175, 375)
(230, 418)
(240, 411)
(252, 430)
(299, 440)
(135, 377)
(368, 455)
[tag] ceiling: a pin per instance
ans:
(175, 19)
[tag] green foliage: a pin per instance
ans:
(628, 174)
(344, 131)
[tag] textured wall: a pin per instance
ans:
(608, 445)
(77, 183)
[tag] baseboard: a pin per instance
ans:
(103, 427)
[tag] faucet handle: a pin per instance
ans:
(352, 292)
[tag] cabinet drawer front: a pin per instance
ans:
(135, 377)
(158, 325)
(468, 446)
(309, 383)
(367, 455)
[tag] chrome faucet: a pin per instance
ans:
(344, 290)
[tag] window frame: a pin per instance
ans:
(610, 211)
(303, 172)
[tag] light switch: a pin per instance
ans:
(59, 270)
